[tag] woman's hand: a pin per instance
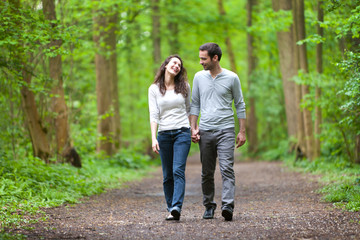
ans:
(155, 146)
(195, 135)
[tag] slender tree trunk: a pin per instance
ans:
(227, 38)
(156, 39)
(104, 79)
(60, 122)
(58, 105)
(301, 145)
(251, 119)
(41, 148)
(357, 149)
(319, 68)
(115, 79)
(173, 27)
(287, 66)
(305, 90)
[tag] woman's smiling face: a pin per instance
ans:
(174, 66)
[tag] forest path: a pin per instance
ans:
(271, 203)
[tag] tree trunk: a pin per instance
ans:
(287, 67)
(41, 148)
(308, 128)
(104, 80)
(319, 68)
(58, 105)
(173, 27)
(115, 79)
(305, 133)
(251, 119)
(227, 38)
(40, 145)
(156, 39)
(357, 149)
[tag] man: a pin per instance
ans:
(214, 90)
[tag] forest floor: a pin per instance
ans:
(271, 203)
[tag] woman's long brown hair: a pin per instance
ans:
(181, 82)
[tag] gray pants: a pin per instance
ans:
(221, 144)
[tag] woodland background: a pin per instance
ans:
(74, 75)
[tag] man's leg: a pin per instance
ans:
(226, 146)
(208, 160)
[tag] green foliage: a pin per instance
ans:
(267, 20)
(350, 67)
(344, 194)
(29, 184)
(336, 132)
(347, 25)
(340, 177)
(128, 159)
(277, 153)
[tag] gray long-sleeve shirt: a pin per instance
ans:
(213, 97)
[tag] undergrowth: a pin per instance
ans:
(29, 185)
(341, 180)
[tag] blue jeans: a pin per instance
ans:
(174, 149)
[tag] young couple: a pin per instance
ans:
(214, 90)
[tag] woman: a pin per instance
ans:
(169, 106)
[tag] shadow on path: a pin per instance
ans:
(271, 203)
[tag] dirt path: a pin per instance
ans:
(271, 203)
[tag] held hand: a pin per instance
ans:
(240, 139)
(195, 135)
(155, 146)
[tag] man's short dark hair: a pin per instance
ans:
(212, 49)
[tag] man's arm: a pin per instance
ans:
(241, 137)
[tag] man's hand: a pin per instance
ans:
(240, 139)
(195, 135)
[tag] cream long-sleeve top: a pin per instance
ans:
(170, 111)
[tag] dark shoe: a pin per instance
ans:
(176, 214)
(209, 213)
(227, 214)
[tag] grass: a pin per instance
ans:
(29, 185)
(340, 177)
(341, 180)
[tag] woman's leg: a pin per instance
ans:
(166, 155)
(181, 150)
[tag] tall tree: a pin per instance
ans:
(299, 21)
(173, 27)
(113, 22)
(228, 43)
(300, 145)
(287, 67)
(156, 27)
(319, 69)
(23, 62)
(106, 76)
(252, 59)
(40, 144)
(58, 106)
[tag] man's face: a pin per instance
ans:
(205, 60)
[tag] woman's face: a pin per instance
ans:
(174, 66)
